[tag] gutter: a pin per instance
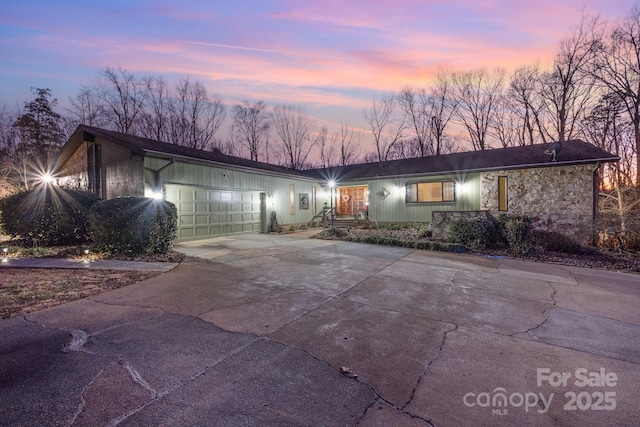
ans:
(157, 184)
(295, 175)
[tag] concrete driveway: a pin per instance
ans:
(285, 330)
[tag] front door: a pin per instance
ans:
(351, 200)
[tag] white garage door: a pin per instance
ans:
(205, 212)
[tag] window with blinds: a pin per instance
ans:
(431, 192)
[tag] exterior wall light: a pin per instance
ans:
(461, 188)
(46, 178)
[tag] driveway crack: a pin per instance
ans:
(544, 312)
(431, 362)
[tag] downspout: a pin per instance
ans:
(157, 184)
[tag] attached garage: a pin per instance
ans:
(207, 212)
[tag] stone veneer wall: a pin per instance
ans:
(557, 198)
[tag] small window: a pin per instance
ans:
(292, 199)
(503, 198)
(313, 199)
(431, 192)
(94, 168)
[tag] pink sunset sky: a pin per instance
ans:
(331, 57)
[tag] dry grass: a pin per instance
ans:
(25, 290)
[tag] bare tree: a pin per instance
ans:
(341, 148)
(250, 128)
(387, 124)
(441, 107)
(327, 149)
(415, 105)
(617, 68)
(566, 90)
(349, 143)
(476, 94)
(156, 119)
(195, 117)
(294, 128)
(525, 91)
(620, 199)
(86, 109)
(8, 144)
(123, 98)
(505, 127)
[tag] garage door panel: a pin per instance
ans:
(205, 212)
(186, 208)
(186, 220)
(201, 207)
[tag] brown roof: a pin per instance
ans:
(573, 152)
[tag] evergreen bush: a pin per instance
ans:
(48, 216)
(133, 226)
(517, 231)
(473, 233)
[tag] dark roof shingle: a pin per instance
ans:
(144, 146)
(573, 152)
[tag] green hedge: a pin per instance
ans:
(474, 233)
(380, 239)
(47, 216)
(517, 232)
(513, 232)
(133, 226)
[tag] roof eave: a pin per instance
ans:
(492, 168)
(162, 154)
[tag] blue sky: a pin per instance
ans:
(331, 57)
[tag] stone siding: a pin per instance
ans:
(557, 198)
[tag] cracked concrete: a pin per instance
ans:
(286, 330)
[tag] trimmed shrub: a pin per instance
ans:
(332, 234)
(48, 216)
(517, 231)
(473, 233)
(133, 226)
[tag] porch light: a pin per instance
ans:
(461, 187)
(157, 195)
(401, 190)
